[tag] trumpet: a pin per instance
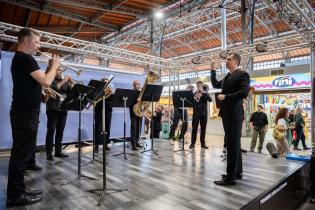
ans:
(77, 71)
(51, 93)
(198, 95)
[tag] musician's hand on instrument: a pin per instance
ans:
(221, 97)
(47, 91)
(67, 79)
(212, 65)
(55, 61)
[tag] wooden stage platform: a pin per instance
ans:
(165, 181)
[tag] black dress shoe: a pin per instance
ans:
(225, 182)
(139, 145)
(49, 157)
(61, 155)
(24, 199)
(96, 149)
(25, 173)
(237, 177)
(33, 191)
(34, 167)
(243, 150)
(192, 146)
(205, 147)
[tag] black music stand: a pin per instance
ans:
(182, 99)
(98, 85)
(152, 93)
(77, 100)
(104, 188)
(124, 98)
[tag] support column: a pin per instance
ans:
(223, 36)
(312, 69)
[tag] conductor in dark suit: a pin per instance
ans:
(235, 88)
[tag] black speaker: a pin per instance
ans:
(272, 150)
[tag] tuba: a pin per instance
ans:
(141, 107)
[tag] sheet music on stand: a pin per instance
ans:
(183, 99)
(124, 98)
(152, 93)
(76, 100)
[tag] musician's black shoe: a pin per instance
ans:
(49, 157)
(33, 167)
(24, 199)
(243, 150)
(25, 173)
(139, 145)
(224, 150)
(61, 155)
(225, 182)
(96, 149)
(205, 147)
(192, 146)
(237, 177)
(33, 191)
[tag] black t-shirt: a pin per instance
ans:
(53, 104)
(27, 91)
(259, 119)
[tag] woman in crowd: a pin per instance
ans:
(283, 126)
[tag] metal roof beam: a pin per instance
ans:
(81, 47)
(100, 6)
(61, 13)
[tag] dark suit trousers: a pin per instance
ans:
(56, 122)
(135, 129)
(202, 119)
(178, 115)
(24, 132)
(99, 137)
(233, 131)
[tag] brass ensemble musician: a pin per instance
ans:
(200, 115)
(98, 109)
(56, 117)
(136, 122)
(28, 81)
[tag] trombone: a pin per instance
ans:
(77, 71)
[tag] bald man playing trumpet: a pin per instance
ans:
(56, 117)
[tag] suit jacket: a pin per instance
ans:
(235, 87)
(200, 107)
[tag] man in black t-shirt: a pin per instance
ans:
(259, 123)
(56, 117)
(28, 81)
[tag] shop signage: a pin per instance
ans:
(285, 81)
(293, 81)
